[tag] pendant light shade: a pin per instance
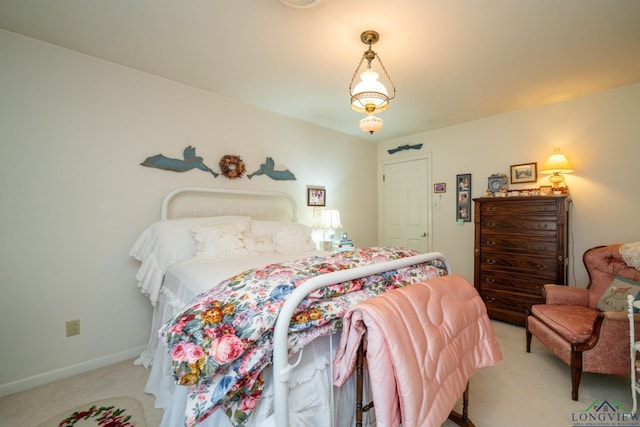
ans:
(371, 124)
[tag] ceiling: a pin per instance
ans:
(452, 61)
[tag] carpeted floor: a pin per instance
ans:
(31, 407)
(534, 389)
(523, 390)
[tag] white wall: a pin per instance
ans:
(73, 130)
(600, 135)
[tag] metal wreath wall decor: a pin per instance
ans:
(232, 166)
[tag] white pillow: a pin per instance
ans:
(236, 228)
(261, 227)
(215, 242)
(258, 243)
(171, 240)
(293, 238)
(166, 242)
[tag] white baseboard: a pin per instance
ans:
(69, 371)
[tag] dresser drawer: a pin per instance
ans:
(515, 224)
(537, 245)
(507, 314)
(514, 284)
(538, 266)
(517, 302)
(516, 207)
(509, 307)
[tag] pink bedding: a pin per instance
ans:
(424, 341)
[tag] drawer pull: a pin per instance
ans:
(491, 224)
(540, 267)
(541, 247)
(491, 261)
(543, 226)
(490, 243)
(490, 281)
(491, 208)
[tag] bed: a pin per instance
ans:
(185, 259)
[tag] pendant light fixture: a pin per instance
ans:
(369, 96)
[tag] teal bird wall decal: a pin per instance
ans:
(189, 161)
(267, 168)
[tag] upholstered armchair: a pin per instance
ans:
(580, 326)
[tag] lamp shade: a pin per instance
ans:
(331, 218)
(369, 95)
(371, 124)
(557, 163)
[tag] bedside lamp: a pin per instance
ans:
(330, 221)
(556, 166)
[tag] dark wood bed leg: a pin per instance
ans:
(359, 384)
(361, 408)
(463, 419)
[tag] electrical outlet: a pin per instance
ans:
(73, 328)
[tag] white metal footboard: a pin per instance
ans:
(281, 367)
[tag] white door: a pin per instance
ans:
(405, 213)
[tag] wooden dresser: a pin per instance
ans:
(520, 245)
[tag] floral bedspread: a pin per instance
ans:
(223, 340)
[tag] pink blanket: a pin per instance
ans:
(424, 341)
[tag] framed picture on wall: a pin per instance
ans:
(527, 172)
(463, 197)
(316, 196)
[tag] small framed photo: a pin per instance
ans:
(463, 197)
(545, 190)
(440, 187)
(316, 196)
(526, 172)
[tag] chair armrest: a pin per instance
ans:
(610, 329)
(565, 295)
(618, 316)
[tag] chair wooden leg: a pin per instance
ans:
(529, 334)
(576, 373)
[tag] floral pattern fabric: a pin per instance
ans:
(223, 340)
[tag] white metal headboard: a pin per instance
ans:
(260, 193)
